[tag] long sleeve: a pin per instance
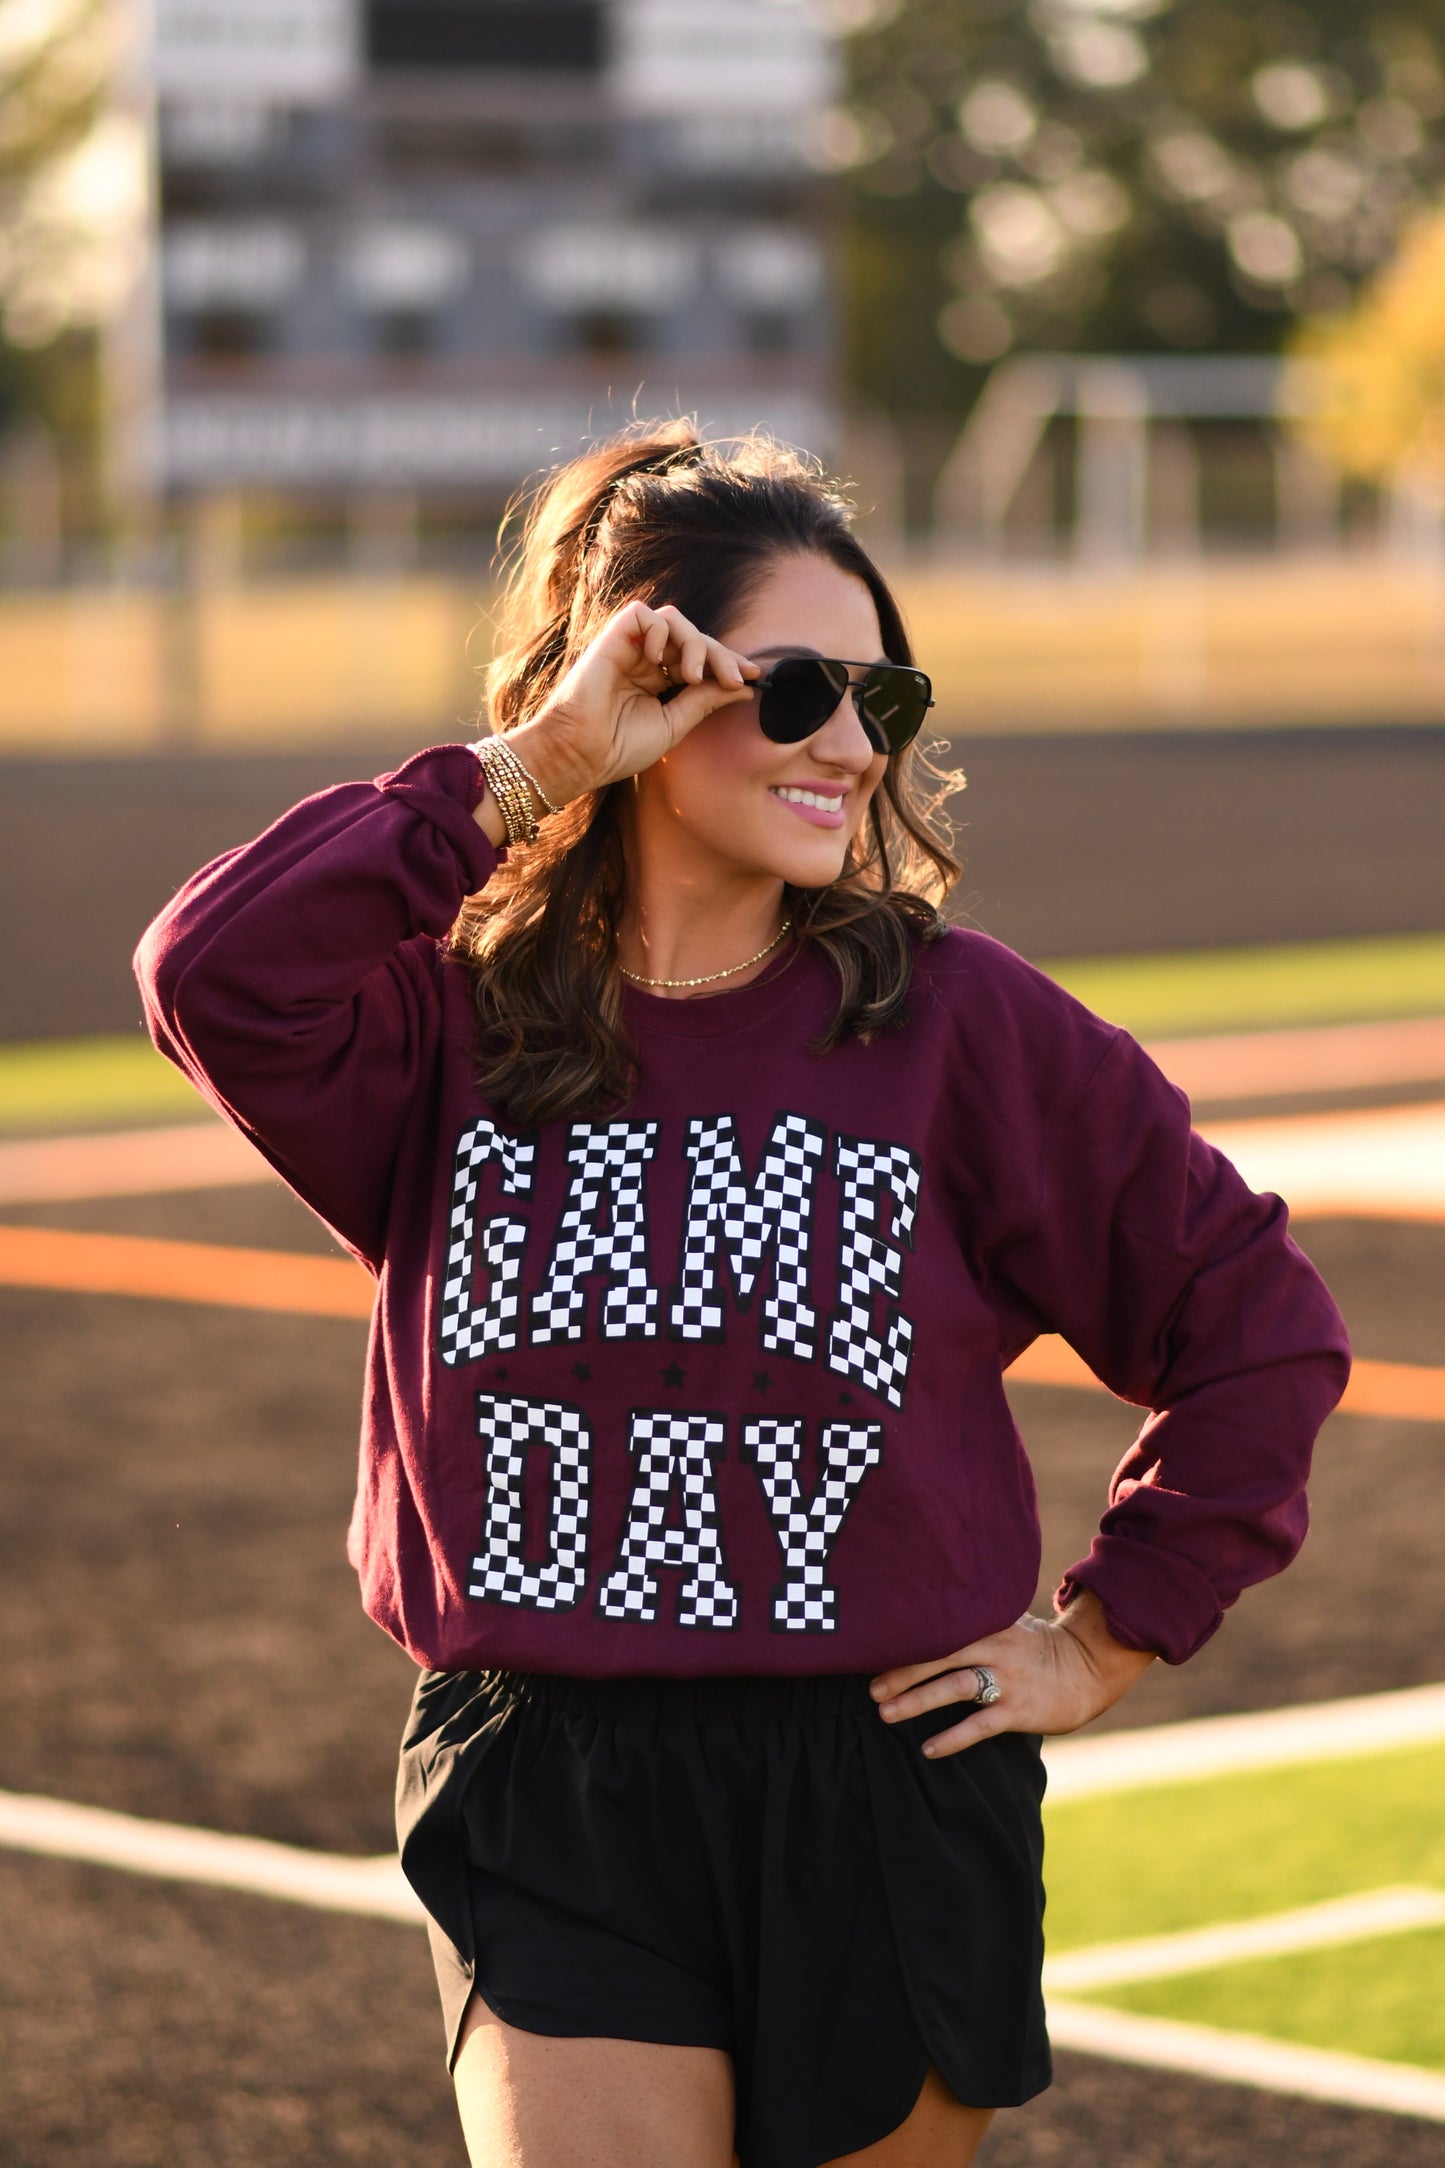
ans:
(294, 979)
(1182, 1290)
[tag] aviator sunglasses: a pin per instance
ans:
(798, 694)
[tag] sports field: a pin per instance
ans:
(186, 1646)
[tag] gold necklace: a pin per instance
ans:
(708, 977)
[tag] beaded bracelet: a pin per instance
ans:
(518, 819)
(511, 784)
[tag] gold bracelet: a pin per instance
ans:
(516, 815)
(522, 782)
(496, 752)
(518, 818)
(515, 759)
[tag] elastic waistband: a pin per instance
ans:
(732, 1698)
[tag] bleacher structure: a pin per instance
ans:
(430, 245)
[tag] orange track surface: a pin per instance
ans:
(183, 1272)
(1415, 1391)
(330, 1287)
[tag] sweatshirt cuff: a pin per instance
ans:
(1153, 1599)
(443, 785)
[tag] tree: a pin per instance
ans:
(71, 190)
(1119, 175)
(1379, 405)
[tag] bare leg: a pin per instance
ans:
(939, 2133)
(529, 2100)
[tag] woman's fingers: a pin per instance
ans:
(694, 704)
(657, 639)
(1045, 1683)
(986, 1724)
(725, 664)
(671, 644)
(960, 1682)
(691, 658)
(1022, 1662)
(1013, 1711)
(648, 678)
(941, 1680)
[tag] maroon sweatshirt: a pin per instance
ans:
(717, 1386)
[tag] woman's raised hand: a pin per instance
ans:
(606, 719)
(1053, 1675)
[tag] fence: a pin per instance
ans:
(1212, 643)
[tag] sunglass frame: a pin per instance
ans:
(834, 669)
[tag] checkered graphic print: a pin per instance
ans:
(467, 1330)
(609, 1157)
(778, 1208)
(805, 1601)
(512, 1428)
(675, 1454)
(870, 1265)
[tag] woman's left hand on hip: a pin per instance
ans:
(1052, 1675)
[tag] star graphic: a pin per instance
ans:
(673, 1374)
(581, 1372)
(761, 1380)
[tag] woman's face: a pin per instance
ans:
(728, 787)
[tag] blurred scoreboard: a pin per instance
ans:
(433, 244)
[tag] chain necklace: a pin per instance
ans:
(709, 977)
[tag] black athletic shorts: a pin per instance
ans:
(755, 1864)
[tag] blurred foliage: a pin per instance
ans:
(54, 62)
(1381, 368)
(1120, 175)
(61, 185)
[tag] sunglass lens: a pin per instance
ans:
(797, 697)
(893, 704)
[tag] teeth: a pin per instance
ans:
(808, 797)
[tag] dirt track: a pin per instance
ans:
(157, 2026)
(185, 1641)
(190, 1642)
(1280, 836)
(183, 1634)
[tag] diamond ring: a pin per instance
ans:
(989, 1690)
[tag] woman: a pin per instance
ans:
(710, 1182)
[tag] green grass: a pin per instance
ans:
(1193, 1855)
(71, 1083)
(1313, 982)
(68, 1083)
(1149, 1863)
(1384, 1998)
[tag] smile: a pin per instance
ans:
(822, 808)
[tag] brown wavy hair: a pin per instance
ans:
(658, 514)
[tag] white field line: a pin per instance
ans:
(1216, 1746)
(1385, 1163)
(1352, 2081)
(374, 1888)
(1078, 1768)
(1316, 1058)
(377, 1889)
(129, 1163)
(1363, 1918)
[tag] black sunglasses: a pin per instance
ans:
(799, 693)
